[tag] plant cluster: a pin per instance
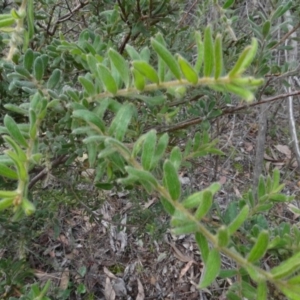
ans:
(67, 97)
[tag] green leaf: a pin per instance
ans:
(54, 79)
(232, 296)
(160, 149)
(92, 119)
(279, 198)
(287, 268)
(205, 205)
(30, 19)
(200, 52)
(88, 85)
(152, 100)
(145, 54)
(6, 22)
(16, 14)
(167, 57)
(92, 153)
(121, 121)
(148, 150)
(14, 131)
(214, 187)
(147, 70)
(263, 207)
(248, 82)
(142, 176)
(239, 220)
(281, 10)
(104, 186)
(121, 148)
(278, 188)
(183, 227)
(244, 60)
(208, 52)
(22, 173)
(176, 157)
(240, 91)
(5, 203)
(169, 207)
(212, 269)
(203, 246)
(266, 28)
(262, 291)
(250, 198)
(218, 56)
(193, 200)
(106, 152)
(292, 292)
(38, 68)
(92, 63)
(139, 79)
(28, 207)
(23, 71)
(16, 109)
(254, 274)
(138, 145)
(20, 153)
(294, 280)
(276, 179)
(260, 247)
(261, 190)
(228, 3)
(132, 52)
(171, 180)
(196, 141)
(187, 70)
(223, 236)
(7, 172)
(120, 64)
(107, 79)
(8, 194)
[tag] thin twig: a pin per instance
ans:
(197, 120)
(59, 160)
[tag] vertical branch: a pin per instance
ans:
(260, 144)
(291, 57)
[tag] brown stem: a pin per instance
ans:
(59, 160)
(197, 120)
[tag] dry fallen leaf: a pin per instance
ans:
(141, 293)
(222, 179)
(185, 269)
(63, 239)
(178, 254)
(109, 292)
(109, 273)
(285, 150)
(64, 281)
(295, 210)
(248, 146)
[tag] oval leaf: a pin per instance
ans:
(208, 52)
(38, 68)
(260, 247)
(171, 180)
(107, 79)
(14, 130)
(120, 64)
(187, 70)
(167, 57)
(147, 70)
(212, 269)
